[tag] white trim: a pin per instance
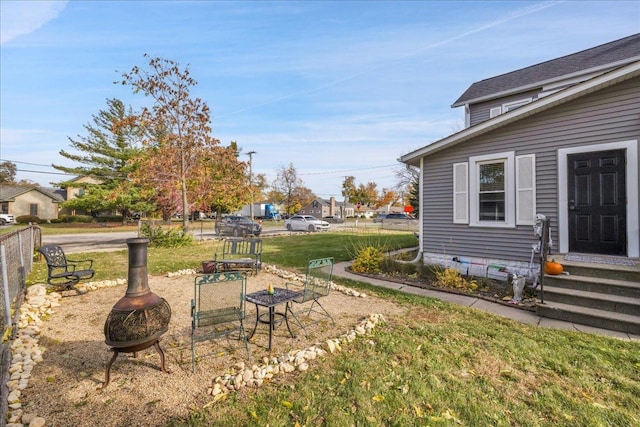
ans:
(631, 153)
(510, 188)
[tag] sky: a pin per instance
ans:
(335, 88)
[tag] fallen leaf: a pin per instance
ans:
(378, 398)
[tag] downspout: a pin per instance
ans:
(418, 257)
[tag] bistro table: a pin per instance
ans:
(264, 299)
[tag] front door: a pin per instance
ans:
(597, 202)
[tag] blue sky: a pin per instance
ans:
(337, 88)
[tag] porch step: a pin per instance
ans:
(602, 271)
(608, 286)
(590, 299)
(591, 316)
(601, 295)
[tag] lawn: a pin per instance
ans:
(444, 366)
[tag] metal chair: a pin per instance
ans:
(240, 254)
(218, 310)
(316, 285)
(63, 272)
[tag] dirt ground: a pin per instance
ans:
(66, 388)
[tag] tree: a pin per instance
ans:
(105, 153)
(7, 172)
(349, 188)
(409, 182)
(179, 155)
(290, 187)
(365, 194)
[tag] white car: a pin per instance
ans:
(7, 219)
(305, 223)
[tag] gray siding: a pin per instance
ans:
(480, 112)
(610, 115)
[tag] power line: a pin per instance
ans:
(25, 163)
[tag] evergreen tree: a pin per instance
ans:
(106, 154)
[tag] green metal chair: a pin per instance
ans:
(316, 285)
(217, 311)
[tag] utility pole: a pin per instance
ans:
(250, 154)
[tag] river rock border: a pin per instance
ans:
(40, 305)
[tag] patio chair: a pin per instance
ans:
(240, 253)
(64, 273)
(218, 310)
(316, 285)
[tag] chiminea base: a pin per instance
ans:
(134, 349)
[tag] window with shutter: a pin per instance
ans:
(492, 190)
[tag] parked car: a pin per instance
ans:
(379, 217)
(399, 221)
(305, 223)
(237, 226)
(7, 219)
(333, 219)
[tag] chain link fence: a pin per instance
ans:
(16, 261)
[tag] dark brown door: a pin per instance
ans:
(597, 202)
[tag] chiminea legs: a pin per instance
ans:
(117, 351)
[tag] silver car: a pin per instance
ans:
(305, 223)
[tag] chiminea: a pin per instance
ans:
(138, 319)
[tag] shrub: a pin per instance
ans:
(368, 260)
(450, 278)
(78, 218)
(171, 238)
(26, 219)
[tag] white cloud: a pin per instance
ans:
(18, 18)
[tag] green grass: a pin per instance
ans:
(287, 251)
(444, 365)
(449, 366)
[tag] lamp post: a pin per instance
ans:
(250, 154)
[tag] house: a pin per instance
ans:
(321, 208)
(74, 188)
(560, 139)
(20, 200)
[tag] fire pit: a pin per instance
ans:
(140, 318)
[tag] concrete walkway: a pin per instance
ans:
(524, 316)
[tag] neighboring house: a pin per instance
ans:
(20, 200)
(560, 139)
(321, 208)
(74, 188)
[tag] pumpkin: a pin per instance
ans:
(552, 267)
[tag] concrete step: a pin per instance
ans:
(603, 271)
(609, 286)
(591, 316)
(597, 300)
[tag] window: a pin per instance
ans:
(33, 209)
(506, 107)
(4, 207)
(492, 191)
(496, 190)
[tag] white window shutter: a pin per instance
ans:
(526, 189)
(461, 193)
(495, 111)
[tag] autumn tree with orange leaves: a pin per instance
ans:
(186, 166)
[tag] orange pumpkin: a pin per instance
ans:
(552, 267)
